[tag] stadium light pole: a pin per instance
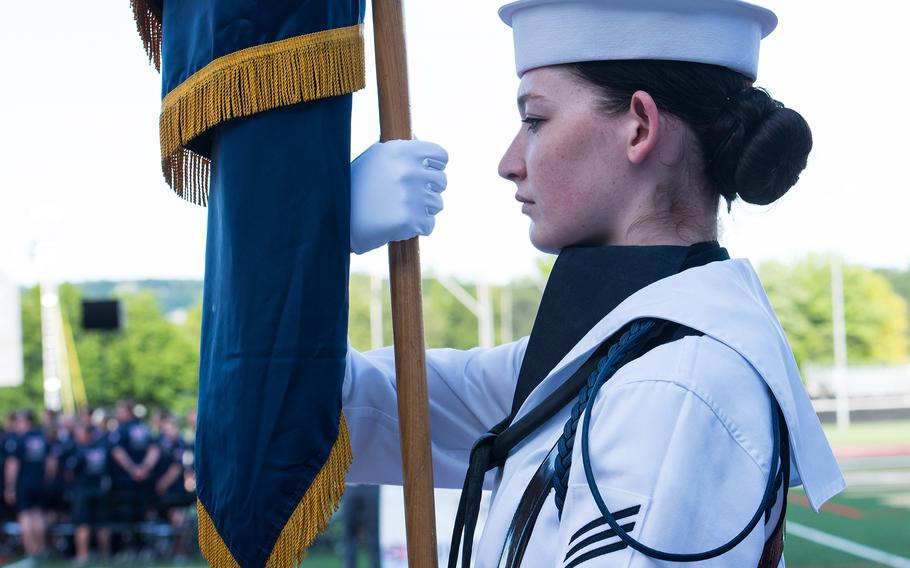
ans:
(481, 307)
(376, 323)
(839, 329)
(505, 297)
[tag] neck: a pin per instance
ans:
(661, 232)
(670, 216)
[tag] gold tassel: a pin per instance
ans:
(148, 24)
(260, 78)
(310, 518)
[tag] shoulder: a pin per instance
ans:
(114, 437)
(59, 449)
(703, 383)
(703, 365)
(683, 433)
(725, 301)
(11, 444)
(672, 459)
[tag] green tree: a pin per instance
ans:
(31, 393)
(155, 360)
(899, 279)
(359, 312)
(150, 359)
(447, 322)
(876, 317)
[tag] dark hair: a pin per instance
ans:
(752, 145)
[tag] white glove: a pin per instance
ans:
(395, 192)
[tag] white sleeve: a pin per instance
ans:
(469, 392)
(678, 473)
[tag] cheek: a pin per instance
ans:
(570, 170)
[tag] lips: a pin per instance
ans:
(525, 203)
(522, 199)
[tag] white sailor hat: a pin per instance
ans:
(720, 32)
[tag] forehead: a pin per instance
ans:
(554, 83)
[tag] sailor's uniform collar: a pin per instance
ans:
(725, 301)
(585, 285)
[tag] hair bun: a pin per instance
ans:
(763, 150)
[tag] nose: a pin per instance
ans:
(512, 165)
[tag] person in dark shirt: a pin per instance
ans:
(156, 417)
(134, 457)
(189, 456)
(168, 473)
(170, 483)
(61, 445)
(87, 468)
(24, 483)
(7, 512)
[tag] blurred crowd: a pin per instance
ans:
(100, 482)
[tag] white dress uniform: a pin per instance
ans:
(680, 438)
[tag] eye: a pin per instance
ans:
(533, 123)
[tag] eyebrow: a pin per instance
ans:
(525, 97)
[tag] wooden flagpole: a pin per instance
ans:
(407, 306)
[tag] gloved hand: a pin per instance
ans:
(395, 189)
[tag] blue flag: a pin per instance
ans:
(255, 123)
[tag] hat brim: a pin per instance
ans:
(719, 32)
(766, 18)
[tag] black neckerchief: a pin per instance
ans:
(586, 284)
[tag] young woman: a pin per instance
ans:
(656, 413)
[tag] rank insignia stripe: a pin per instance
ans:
(596, 538)
(604, 535)
(600, 521)
(596, 553)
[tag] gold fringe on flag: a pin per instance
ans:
(260, 78)
(148, 23)
(310, 518)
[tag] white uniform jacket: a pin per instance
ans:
(680, 439)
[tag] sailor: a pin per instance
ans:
(656, 413)
(133, 458)
(25, 471)
(88, 469)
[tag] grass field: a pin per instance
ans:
(872, 515)
(869, 434)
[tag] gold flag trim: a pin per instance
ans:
(260, 78)
(256, 79)
(310, 518)
(148, 24)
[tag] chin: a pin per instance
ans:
(544, 244)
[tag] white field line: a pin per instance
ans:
(22, 563)
(848, 546)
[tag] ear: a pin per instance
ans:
(646, 132)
